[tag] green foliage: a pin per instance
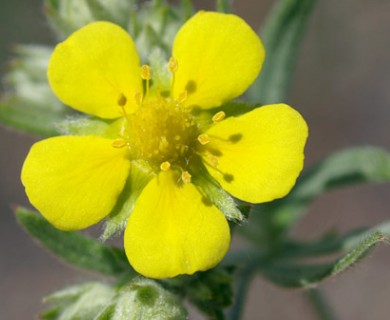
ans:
(75, 248)
(145, 299)
(29, 103)
(282, 34)
(139, 299)
(292, 274)
(117, 220)
(271, 221)
(210, 291)
(213, 191)
(83, 302)
(66, 16)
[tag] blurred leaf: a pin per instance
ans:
(224, 6)
(75, 248)
(270, 221)
(282, 35)
(290, 274)
(29, 103)
(66, 16)
(30, 118)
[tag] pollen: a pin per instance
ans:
(146, 72)
(203, 139)
(162, 131)
(219, 116)
(186, 177)
(172, 65)
(165, 166)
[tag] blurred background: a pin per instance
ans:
(342, 88)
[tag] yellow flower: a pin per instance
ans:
(175, 227)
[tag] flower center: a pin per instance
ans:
(161, 131)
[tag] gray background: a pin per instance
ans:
(341, 87)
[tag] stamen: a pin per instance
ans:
(172, 68)
(165, 166)
(119, 143)
(122, 100)
(186, 177)
(203, 139)
(219, 116)
(213, 159)
(182, 96)
(172, 65)
(146, 74)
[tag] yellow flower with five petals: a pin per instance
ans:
(175, 226)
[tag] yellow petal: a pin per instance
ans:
(96, 70)
(173, 230)
(218, 55)
(257, 157)
(74, 181)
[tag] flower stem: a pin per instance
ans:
(244, 278)
(320, 305)
(224, 6)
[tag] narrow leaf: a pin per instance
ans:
(75, 248)
(304, 275)
(345, 168)
(282, 36)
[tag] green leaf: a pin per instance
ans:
(30, 118)
(84, 302)
(268, 222)
(209, 291)
(145, 299)
(75, 248)
(290, 274)
(282, 36)
(29, 103)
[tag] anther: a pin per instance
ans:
(172, 65)
(186, 177)
(203, 139)
(182, 96)
(219, 116)
(119, 143)
(213, 159)
(122, 100)
(165, 166)
(146, 72)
